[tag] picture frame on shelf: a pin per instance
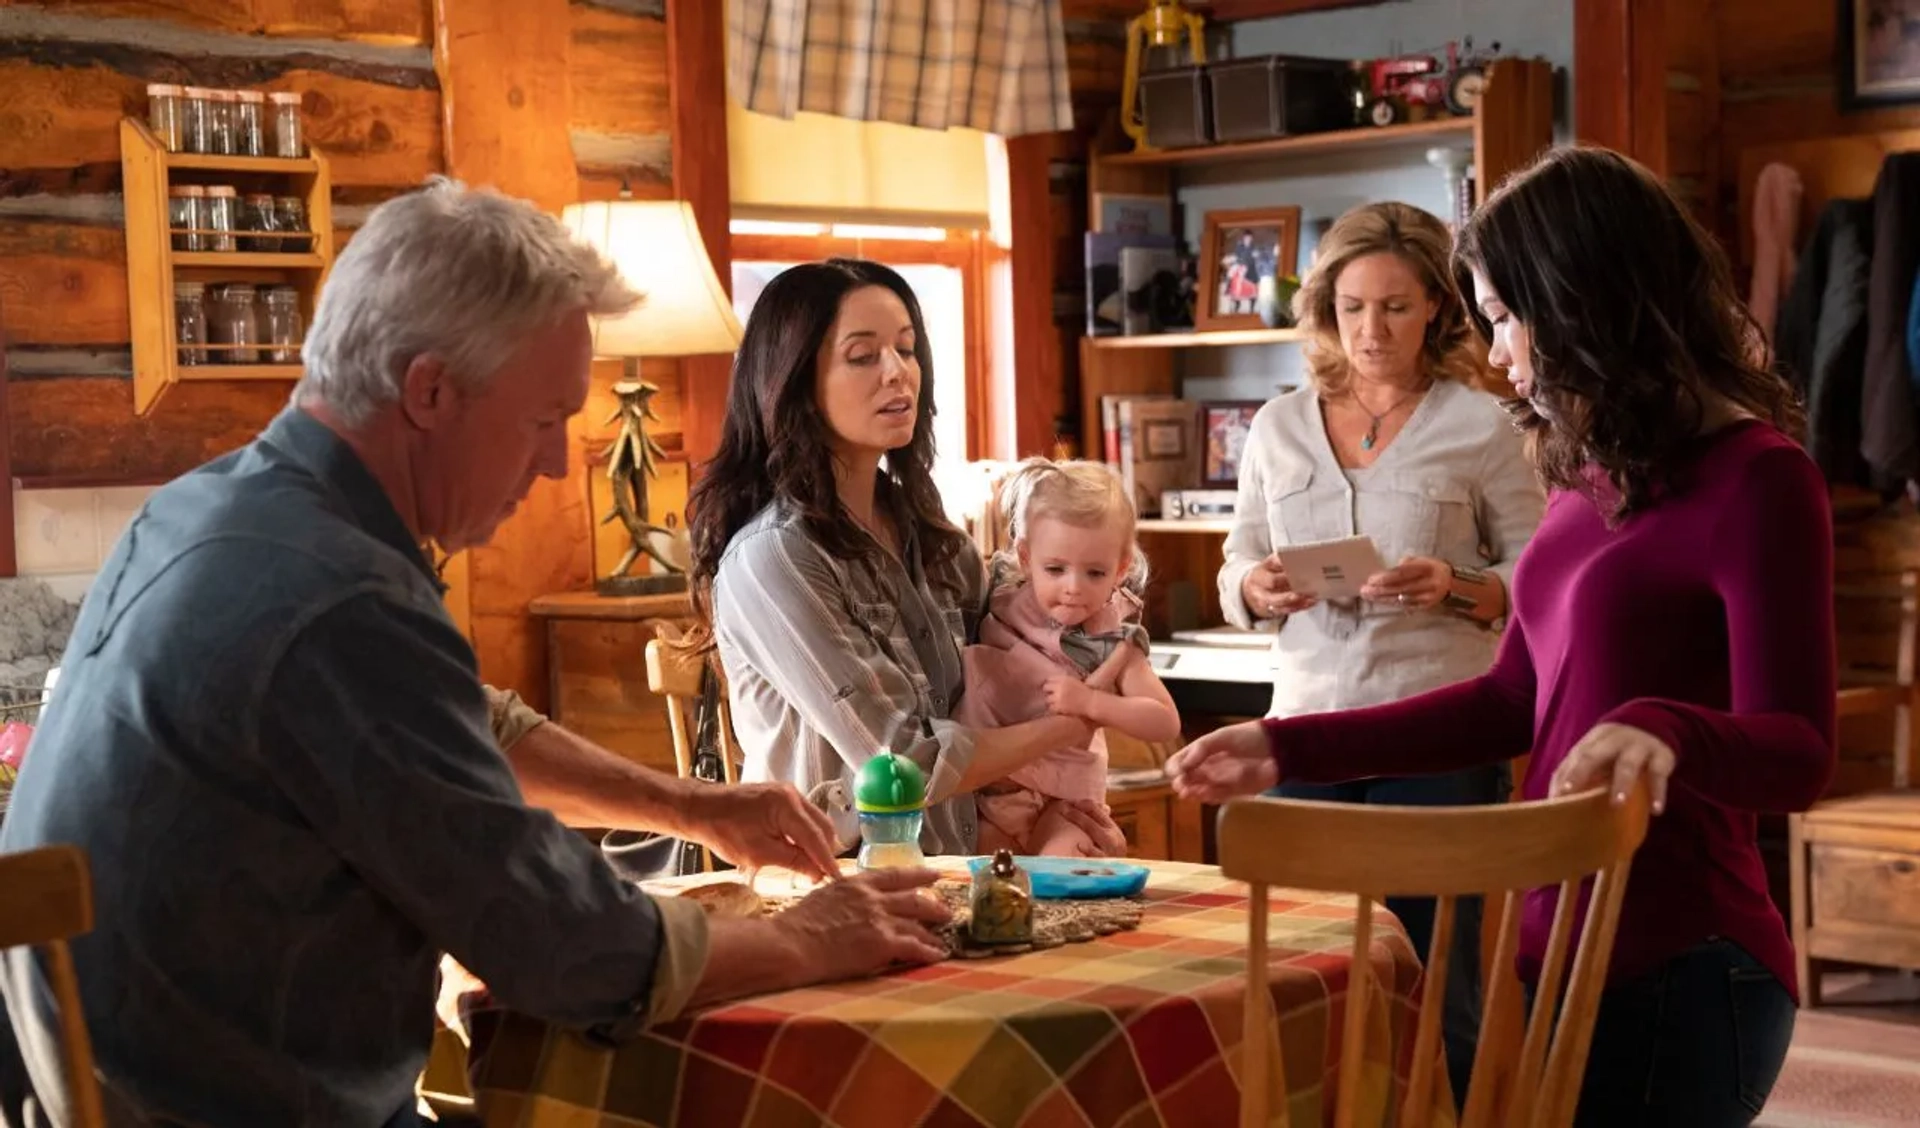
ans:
(1879, 52)
(1224, 426)
(1238, 249)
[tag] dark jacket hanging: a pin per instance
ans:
(1890, 432)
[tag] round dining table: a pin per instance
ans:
(1139, 1027)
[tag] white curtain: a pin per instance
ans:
(998, 66)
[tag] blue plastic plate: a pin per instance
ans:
(1067, 878)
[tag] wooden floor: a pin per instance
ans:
(1855, 1063)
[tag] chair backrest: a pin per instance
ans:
(1878, 625)
(46, 899)
(1508, 849)
(674, 671)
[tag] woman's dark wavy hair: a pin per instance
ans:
(1633, 315)
(773, 446)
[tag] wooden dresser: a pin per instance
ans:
(597, 663)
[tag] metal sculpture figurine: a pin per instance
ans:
(630, 465)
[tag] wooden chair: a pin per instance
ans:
(1852, 860)
(1444, 852)
(46, 899)
(674, 673)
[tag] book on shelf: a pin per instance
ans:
(1150, 288)
(1105, 299)
(1110, 423)
(1159, 449)
(1125, 213)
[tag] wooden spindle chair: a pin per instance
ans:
(1445, 853)
(46, 899)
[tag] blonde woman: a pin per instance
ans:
(1062, 637)
(1390, 439)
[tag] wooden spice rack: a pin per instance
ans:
(149, 171)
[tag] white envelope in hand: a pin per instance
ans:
(1332, 569)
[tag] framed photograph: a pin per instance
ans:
(1223, 440)
(1237, 250)
(1879, 52)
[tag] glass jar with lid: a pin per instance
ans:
(285, 327)
(186, 216)
(250, 123)
(223, 218)
(224, 103)
(190, 321)
(166, 114)
(257, 214)
(235, 322)
(288, 140)
(196, 119)
(290, 213)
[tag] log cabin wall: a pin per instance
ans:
(373, 105)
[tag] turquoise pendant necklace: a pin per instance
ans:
(1372, 437)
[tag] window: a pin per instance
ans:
(944, 270)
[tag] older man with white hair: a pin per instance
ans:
(272, 743)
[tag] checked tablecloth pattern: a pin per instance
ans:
(1136, 1028)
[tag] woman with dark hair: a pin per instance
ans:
(1671, 619)
(838, 592)
(1391, 438)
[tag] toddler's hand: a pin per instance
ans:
(1067, 697)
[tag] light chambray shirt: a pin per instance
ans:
(1455, 484)
(271, 742)
(830, 661)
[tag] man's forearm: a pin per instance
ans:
(587, 785)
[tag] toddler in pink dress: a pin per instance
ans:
(1061, 637)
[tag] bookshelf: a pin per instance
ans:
(1513, 124)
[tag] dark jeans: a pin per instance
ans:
(1697, 1043)
(1460, 1024)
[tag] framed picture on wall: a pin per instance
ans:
(1224, 425)
(1237, 250)
(1879, 53)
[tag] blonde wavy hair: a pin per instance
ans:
(1086, 495)
(1453, 348)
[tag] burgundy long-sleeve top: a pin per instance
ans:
(1706, 620)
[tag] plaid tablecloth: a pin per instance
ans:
(1137, 1028)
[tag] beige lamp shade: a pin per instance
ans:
(657, 246)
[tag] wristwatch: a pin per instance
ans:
(1454, 601)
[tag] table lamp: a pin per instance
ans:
(684, 312)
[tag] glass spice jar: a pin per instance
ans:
(235, 322)
(222, 218)
(190, 321)
(196, 119)
(186, 215)
(288, 140)
(285, 328)
(250, 123)
(166, 114)
(257, 214)
(221, 117)
(290, 213)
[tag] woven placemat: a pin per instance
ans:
(1054, 922)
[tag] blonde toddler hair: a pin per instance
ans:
(1084, 494)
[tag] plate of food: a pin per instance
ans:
(1062, 878)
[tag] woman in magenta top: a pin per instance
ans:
(1671, 617)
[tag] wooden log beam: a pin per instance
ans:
(161, 51)
(1620, 56)
(62, 284)
(697, 96)
(69, 430)
(59, 117)
(389, 22)
(506, 107)
(618, 71)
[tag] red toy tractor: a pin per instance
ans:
(1403, 81)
